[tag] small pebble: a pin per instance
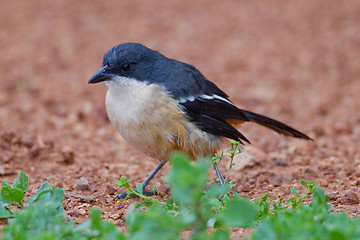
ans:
(116, 216)
(27, 142)
(280, 162)
(68, 155)
(246, 188)
(4, 172)
(245, 160)
(82, 211)
(333, 196)
(110, 190)
(34, 151)
(356, 183)
(350, 198)
(71, 213)
(283, 145)
(83, 205)
(82, 184)
(277, 181)
(323, 183)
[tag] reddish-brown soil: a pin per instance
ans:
(296, 61)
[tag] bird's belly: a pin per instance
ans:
(150, 120)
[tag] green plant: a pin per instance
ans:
(233, 151)
(193, 211)
(125, 183)
(313, 221)
(12, 195)
(44, 217)
(193, 207)
(265, 206)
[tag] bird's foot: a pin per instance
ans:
(145, 193)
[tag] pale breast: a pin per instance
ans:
(150, 120)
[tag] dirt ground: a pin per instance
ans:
(296, 61)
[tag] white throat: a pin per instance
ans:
(126, 100)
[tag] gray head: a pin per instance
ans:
(131, 60)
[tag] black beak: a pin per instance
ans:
(100, 76)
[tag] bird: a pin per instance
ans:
(161, 105)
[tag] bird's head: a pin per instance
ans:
(127, 60)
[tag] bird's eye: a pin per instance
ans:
(125, 67)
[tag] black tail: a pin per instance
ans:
(275, 125)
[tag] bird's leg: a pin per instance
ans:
(145, 183)
(147, 180)
(221, 180)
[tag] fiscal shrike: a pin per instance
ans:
(161, 105)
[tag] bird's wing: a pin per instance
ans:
(204, 103)
(211, 115)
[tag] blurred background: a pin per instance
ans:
(256, 51)
(296, 61)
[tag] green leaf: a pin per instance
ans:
(303, 182)
(294, 192)
(43, 187)
(154, 189)
(223, 156)
(122, 182)
(4, 203)
(220, 234)
(3, 183)
(311, 185)
(234, 143)
(265, 197)
(187, 179)
(139, 188)
(21, 182)
(95, 216)
(239, 213)
(53, 195)
(12, 194)
(5, 212)
(39, 221)
(154, 223)
(216, 191)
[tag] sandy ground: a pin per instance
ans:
(296, 61)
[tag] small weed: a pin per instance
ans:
(277, 208)
(44, 217)
(13, 195)
(193, 211)
(233, 151)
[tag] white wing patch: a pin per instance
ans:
(214, 96)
